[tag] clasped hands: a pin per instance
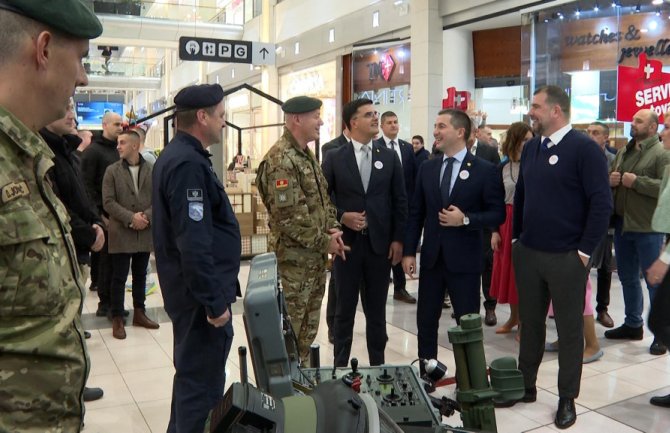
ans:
(626, 179)
(139, 221)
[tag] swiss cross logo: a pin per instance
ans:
(456, 99)
(386, 62)
(644, 86)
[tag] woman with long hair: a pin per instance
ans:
(503, 286)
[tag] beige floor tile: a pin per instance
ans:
(156, 414)
(101, 363)
(604, 389)
(511, 422)
(150, 385)
(592, 422)
(135, 358)
(642, 375)
(126, 418)
(135, 336)
(115, 389)
(547, 375)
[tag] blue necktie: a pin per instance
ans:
(445, 182)
(545, 143)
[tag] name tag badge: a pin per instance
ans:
(553, 159)
(464, 174)
(379, 165)
(14, 190)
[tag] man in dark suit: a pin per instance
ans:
(389, 139)
(562, 207)
(331, 304)
(456, 196)
(366, 185)
(483, 150)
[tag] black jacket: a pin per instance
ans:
(67, 183)
(94, 161)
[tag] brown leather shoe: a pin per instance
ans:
(490, 319)
(403, 296)
(140, 319)
(118, 330)
(604, 319)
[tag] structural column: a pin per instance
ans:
(271, 112)
(427, 88)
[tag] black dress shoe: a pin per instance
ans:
(530, 396)
(92, 394)
(102, 311)
(657, 348)
(93, 288)
(403, 296)
(566, 414)
(663, 401)
(490, 318)
(87, 335)
(625, 332)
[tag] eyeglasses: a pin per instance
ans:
(371, 114)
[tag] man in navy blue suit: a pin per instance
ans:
(455, 198)
(389, 139)
(366, 185)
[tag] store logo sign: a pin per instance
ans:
(644, 86)
(383, 68)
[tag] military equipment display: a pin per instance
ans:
(289, 398)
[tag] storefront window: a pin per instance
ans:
(579, 46)
(382, 75)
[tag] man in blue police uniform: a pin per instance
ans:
(197, 246)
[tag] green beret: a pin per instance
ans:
(301, 104)
(72, 17)
(200, 96)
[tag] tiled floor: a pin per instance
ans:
(136, 373)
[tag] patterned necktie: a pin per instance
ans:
(445, 182)
(366, 167)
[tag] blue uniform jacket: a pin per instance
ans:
(196, 235)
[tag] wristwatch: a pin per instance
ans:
(466, 220)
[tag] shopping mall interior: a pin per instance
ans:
(403, 55)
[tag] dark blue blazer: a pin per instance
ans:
(481, 197)
(385, 202)
(408, 164)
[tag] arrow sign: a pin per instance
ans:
(262, 54)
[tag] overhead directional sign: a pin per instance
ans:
(226, 51)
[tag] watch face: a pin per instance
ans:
(466, 221)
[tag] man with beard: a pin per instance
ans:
(562, 206)
(636, 180)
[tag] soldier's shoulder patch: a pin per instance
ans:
(194, 194)
(282, 183)
(14, 190)
(283, 198)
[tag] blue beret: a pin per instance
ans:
(200, 96)
(72, 17)
(301, 104)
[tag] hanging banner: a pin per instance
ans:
(644, 86)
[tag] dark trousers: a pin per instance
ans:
(399, 280)
(121, 262)
(372, 269)
(463, 291)
(105, 272)
(659, 319)
(200, 353)
(331, 304)
(605, 276)
(94, 269)
(561, 278)
(487, 269)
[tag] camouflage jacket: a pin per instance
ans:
(43, 359)
(295, 193)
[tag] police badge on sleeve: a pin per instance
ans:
(196, 210)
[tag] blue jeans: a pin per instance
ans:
(635, 252)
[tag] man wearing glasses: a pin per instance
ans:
(367, 187)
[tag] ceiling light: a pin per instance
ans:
(297, 48)
(657, 2)
(375, 19)
(578, 12)
(331, 35)
(596, 8)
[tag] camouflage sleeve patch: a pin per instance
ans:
(283, 192)
(13, 191)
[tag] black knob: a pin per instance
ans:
(354, 365)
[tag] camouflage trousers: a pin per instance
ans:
(304, 285)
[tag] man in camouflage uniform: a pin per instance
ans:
(43, 359)
(302, 218)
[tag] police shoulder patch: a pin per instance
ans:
(196, 211)
(194, 194)
(14, 190)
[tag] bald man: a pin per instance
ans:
(635, 178)
(94, 161)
